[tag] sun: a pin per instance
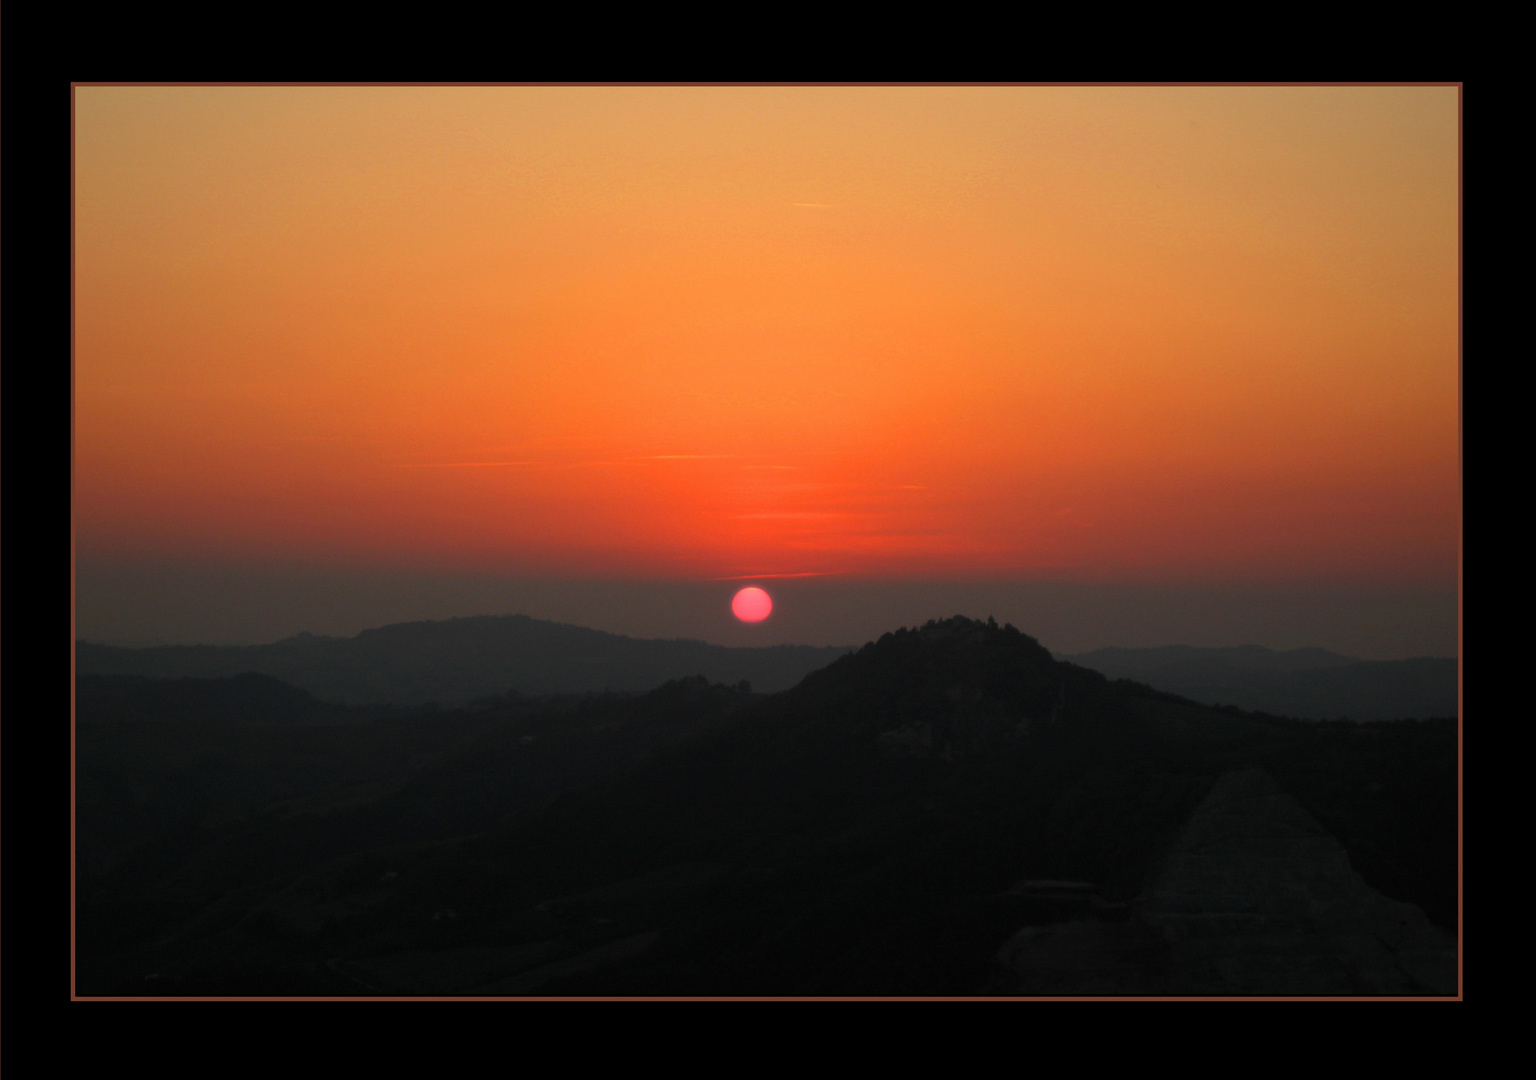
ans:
(752, 604)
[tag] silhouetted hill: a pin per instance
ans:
(887, 826)
(1307, 683)
(458, 660)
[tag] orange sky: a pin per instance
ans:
(1096, 333)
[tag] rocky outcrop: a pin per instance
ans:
(1254, 898)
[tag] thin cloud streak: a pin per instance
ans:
(766, 577)
(462, 464)
(494, 464)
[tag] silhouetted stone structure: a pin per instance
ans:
(1254, 898)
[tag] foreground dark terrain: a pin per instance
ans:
(948, 811)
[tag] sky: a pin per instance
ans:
(441, 350)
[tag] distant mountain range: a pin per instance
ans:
(1311, 684)
(457, 661)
